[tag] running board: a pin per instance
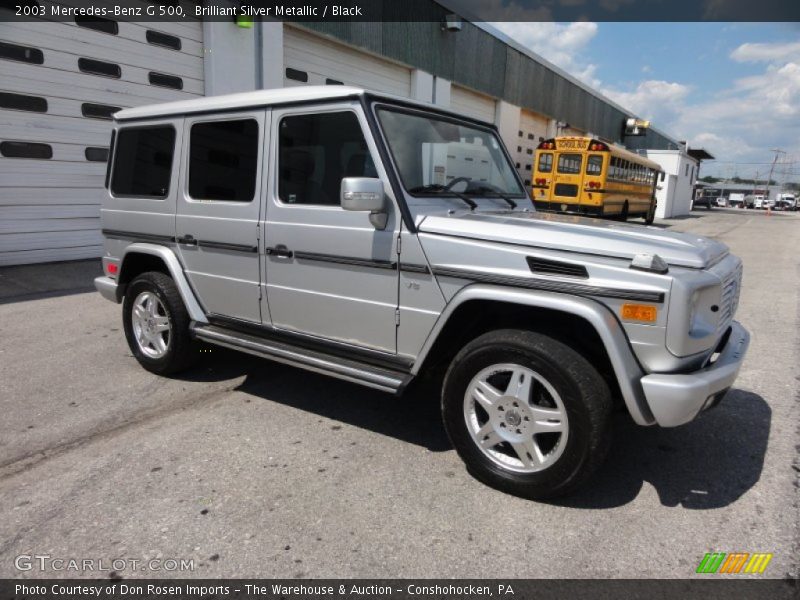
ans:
(379, 378)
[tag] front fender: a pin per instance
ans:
(626, 368)
(175, 269)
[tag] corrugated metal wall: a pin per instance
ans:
(504, 72)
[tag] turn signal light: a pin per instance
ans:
(639, 312)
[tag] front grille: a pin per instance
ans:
(566, 189)
(731, 288)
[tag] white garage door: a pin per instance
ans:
(472, 104)
(59, 82)
(532, 130)
(313, 60)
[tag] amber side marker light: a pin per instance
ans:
(639, 312)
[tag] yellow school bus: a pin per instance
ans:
(586, 176)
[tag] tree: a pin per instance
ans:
(710, 179)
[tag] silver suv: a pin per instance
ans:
(383, 241)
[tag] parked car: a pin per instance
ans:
(328, 228)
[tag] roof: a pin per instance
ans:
(256, 99)
(700, 154)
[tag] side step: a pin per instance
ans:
(379, 378)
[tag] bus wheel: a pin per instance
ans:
(623, 216)
(651, 215)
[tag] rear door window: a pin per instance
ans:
(223, 160)
(569, 164)
(143, 161)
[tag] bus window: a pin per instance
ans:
(569, 164)
(594, 165)
(545, 162)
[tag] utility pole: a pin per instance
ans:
(777, 152)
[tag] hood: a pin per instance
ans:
(578, 234)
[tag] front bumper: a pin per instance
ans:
(107, 288)
(675, 399)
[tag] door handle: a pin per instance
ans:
(187, 240)
(280, 251)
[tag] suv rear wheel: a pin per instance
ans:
(527, 414)
(157, 324)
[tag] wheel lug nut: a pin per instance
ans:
(518, 431)
(515, 405)
(502, 424)
(500, 408)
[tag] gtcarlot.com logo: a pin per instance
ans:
(734, 562)
(46, 562)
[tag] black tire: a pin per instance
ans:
(181, 349)
(651, 214)
(623, 216)
(583, 392)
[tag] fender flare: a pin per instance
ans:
(196, 312)
(626, 368)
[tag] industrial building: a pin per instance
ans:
(61, 81)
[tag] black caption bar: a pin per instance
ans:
(397, 589)
(405, 11)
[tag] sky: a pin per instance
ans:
(731, 88)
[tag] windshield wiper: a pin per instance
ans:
(431, 188)
(472, 204)
(436, 188)
(485, 191)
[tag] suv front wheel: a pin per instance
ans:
(157, 324)
(528, 415)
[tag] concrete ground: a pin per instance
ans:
(251, 468)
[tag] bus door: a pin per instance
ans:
(568, 179)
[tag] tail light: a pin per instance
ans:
(112, 268)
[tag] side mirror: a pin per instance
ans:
(365, 194)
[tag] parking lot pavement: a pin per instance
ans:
(251, 468)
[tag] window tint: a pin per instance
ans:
(569, 163)
(25, 150)
(594, 164)
(143, 161)
(21, 53)
(98, 67)
(223, 157)
(162, 39)
(95, 154)
(316, 152)
(22, 102)
(297, 75)
(98, 111)
(545, 162)
(162, 80)
(98, 24)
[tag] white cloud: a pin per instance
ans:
(767, 52)
(652, 99)
(562, 44)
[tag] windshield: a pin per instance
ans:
(435, 156)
